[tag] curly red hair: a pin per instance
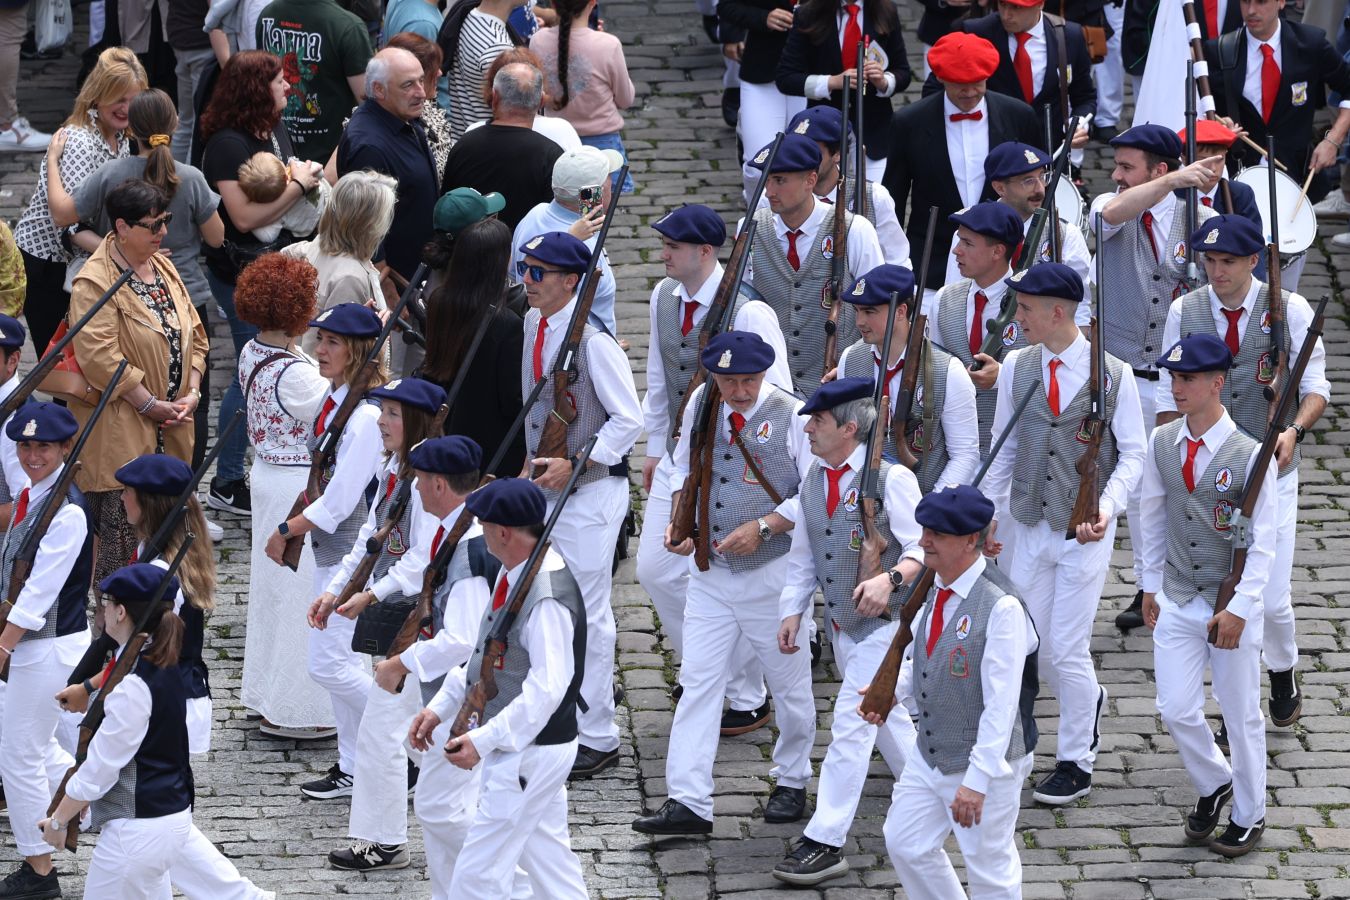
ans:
(243, 95)
(277, 292)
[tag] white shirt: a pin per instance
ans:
(359, 453)
(818, 86)
(902, 495)
(553, 216)
(56, 556)
(1037, 51)
(127, 718)
(1298, 316)
(994, 294)
(1127, 425)
(864, 250)
(1162, 211)
(9, 451)
(1009, 637)
(556, 129)
(612, 376)
(1251, 85)
(959, 417)
(405, 575)
(890, 236)
(754, 316)
(967, 146)
(1152, 544)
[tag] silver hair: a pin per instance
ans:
(377, 71)
(860, 411)
(519, 86)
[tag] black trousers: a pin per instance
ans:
(47, 301)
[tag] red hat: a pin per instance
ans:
(960, 58)
(1207, 131)
(1026, 3)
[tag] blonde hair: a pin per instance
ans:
(117, 73)
(358, 215)
(263, 177)
(359, 348)
(198, 572)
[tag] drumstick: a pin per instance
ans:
(1302, 196)
(1262, 150)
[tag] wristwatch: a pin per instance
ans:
(897, 580)
(284, 529)
(1299, 432)
(56, 824)
(765, 532)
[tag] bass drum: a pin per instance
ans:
(1069, 203)
(1297, 222)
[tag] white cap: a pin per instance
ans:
(583, 168)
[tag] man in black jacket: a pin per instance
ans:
(1138, 29)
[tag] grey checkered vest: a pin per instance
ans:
(926, 438)
(947, 685)
(329, 549)
(1199, 548)
(800, 299)
(835, 543)
(1243, 389)
(1044, 480)
(470, 560)
(869, 210)
(953, 335)
(735, 496)
(68, 612)
(399, 538)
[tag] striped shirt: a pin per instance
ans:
(481, 40)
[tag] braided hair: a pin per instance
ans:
(568, 13)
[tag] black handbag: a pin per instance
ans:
(379, 624)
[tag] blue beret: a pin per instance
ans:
(1197, 353)
(875, 287)
(820, 123)
(693, 224)
(138, 583)
(993, 220)
(413, 392)
(513, 502)
(351, 319)
(11, 333)
(1156, 139)
(1233, 234)
(797, 153)
(955, 509)
(41, 422)
(1012, 158)
(841, 390)
(452, 455)
(1049, 279)
(737, 353)
(156, 473)
(558, 248)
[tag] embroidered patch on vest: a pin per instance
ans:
(396, 546)
(957, 663)
(1298, 93)
(747, 475)
(1223, 516)
(855, 538)
(827, 246)
(1179, 253)
(1265, 322)
(1223, 480)
(764, 432)
(1265, 370)
(851, 499)
(963, 628)
(916, 438)
(1011, 334)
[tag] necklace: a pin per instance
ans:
(136, 271)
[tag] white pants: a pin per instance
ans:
(379, 809)
(340, 670)
(1061, 581)
(521, 820)
(1180, 651)
(920, 819)
(722, 606)
(1110, 72)
(765, 111)
(844, 770)
(1279, 646)
(665, 577)
(1148, 405)
(133, 857)
(585, 537)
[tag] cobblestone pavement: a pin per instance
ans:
(1122, 842)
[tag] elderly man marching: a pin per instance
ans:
(972, 676)
(1058, 565)
(1236, 308)
(1196, 470)
(842, 416)
(752, 457)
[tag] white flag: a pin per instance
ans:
(1162, 92)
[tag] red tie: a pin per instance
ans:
(539, 349)
(935, 622)
(135, 555)
(1188, 467)
(21, 507)
(688, 324)
(1208, 201)
(436, 541)
(1022, 66)
(1052, 394)
(852, 37)
(1231, 336)
(1270, 81)
(832, 494)
(499, 598)
(737, 423)
(970, 116)
(890, 373)
(977, 323)
(389, 485)
(321, 422)
(1147, 220)
(793, 259)
(1212, 18)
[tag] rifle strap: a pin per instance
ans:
(754, 468)
(1057, 26)
(703, 531)
(928, 402)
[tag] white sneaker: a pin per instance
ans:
(22, 136)
(217, 533)
(1333, 206)
(1341, 240)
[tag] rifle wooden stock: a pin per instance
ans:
(873, 541)
(1086, 505)
(909, 380)
(691, 506)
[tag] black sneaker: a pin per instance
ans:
(1237, 840)
(25, 884)
(1133, 615)
(1221, 737)
(1205, 817)
(676, 693)
(811, 862)
(740, 721)
(1064, 785)
(731, 105)
(365, 856)
(336, 783)
(1286, 703)
(230, 496)
(591, 762)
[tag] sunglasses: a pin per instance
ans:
(534, 273)
(159, 224)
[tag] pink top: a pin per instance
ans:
(597, 75)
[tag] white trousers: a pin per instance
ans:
(665, 577)
(586, 536)
(920, 819)
(133, 857)
(765, 111)
(379, 810)
(340, 670)
(844, 770)
(1110, 72)
(722, 606)
(1061, 582)
(1279, 646)
(1181, 650)
(1148, 405)
(521, 820)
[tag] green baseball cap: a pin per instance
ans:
(460, 208)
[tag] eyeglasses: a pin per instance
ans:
(1030, 181)
(159, 224)
(533, 273)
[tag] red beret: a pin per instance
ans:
(960, 58)
(1207, 131)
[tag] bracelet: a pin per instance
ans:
(196, 392)
(89, 686)
(8, 652)
(148, 405)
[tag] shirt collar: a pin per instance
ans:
(564, 314)
(965, 582)
(1164, 206)
(810, 224)
(764, 390)
(449, 519)
(704, 295)
(1036, 31)
(1274, 40)
(855, 461)
(384, 116)
(1247, 302)
(1072, 355)
(39, 490)
(993, 292)
(949, 108)
(340, 394)
(1214, 437)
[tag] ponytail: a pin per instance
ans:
(166, 640)
(152, 120)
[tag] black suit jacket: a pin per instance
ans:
(802, 58)
(763, 45)
(939, 18)
(1244, 204)
(1137, 30)
(919, 169)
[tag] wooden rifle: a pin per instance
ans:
(860, 178)
(482, 691)
(691, 505)
(880, 696)
(839, 259)
(1279, 353)
(909, 384)
(1242, 520)
(89, 725)
(993, 338)
(553, 439)
(921, 274)
(869, 493)
(326, 450)
(1086, 505)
